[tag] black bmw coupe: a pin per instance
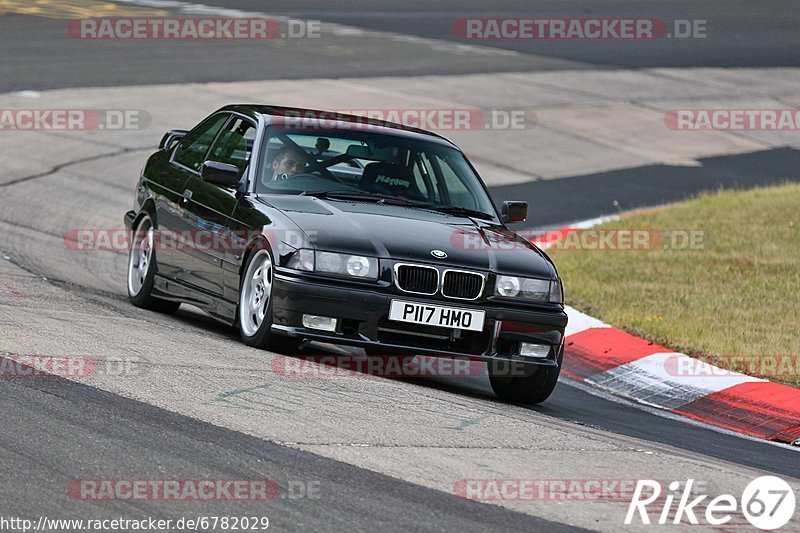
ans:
(295, 225)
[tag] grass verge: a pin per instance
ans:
(716, 277)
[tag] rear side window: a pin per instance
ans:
(192, 150)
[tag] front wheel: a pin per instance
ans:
(142, 270)
(535, 385)
(254, 316)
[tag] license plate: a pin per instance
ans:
(436, 315)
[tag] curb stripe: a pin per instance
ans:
(640, 370)
(597, 350)
(643, 371)
(762, 409)
(652, 380)
(580, 322)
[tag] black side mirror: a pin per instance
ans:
(222, 174)
(515, 211)
(171, 137)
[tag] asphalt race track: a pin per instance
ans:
(742, 34)
(383, 454)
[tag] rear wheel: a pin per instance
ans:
(534, 386)
(142, 270)
(254, 316)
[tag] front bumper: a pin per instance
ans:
(362, 315)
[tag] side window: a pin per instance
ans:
(235, 144)
(192, 150)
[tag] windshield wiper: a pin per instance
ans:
(357, 195)
(462, 211)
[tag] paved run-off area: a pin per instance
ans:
(578, 123)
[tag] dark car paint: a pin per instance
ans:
(179, 200)
(403, 233)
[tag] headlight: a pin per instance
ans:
(556, 292)
(359, 267)
(534, 290)
(355, 266)
(507, 286)
(328, 262)
(302, 260)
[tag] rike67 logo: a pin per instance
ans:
(767, 503)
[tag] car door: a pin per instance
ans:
(209, 207)
(168, 189)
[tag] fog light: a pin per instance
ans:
(534, 350)
(325, 323)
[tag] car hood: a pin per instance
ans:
(412, 234)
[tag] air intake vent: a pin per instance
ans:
(417, 279)
(462, 285)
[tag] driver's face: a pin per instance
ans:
(290, 164)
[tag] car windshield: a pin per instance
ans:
(369, 166)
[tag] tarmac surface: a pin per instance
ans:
(198, 404)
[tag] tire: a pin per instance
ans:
(254, 312)
(142, 270)
(534, 387)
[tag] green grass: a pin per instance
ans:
(737, 295)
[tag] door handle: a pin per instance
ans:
(187, 195)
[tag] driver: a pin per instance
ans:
(288, 162)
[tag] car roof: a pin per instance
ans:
(270, 112)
